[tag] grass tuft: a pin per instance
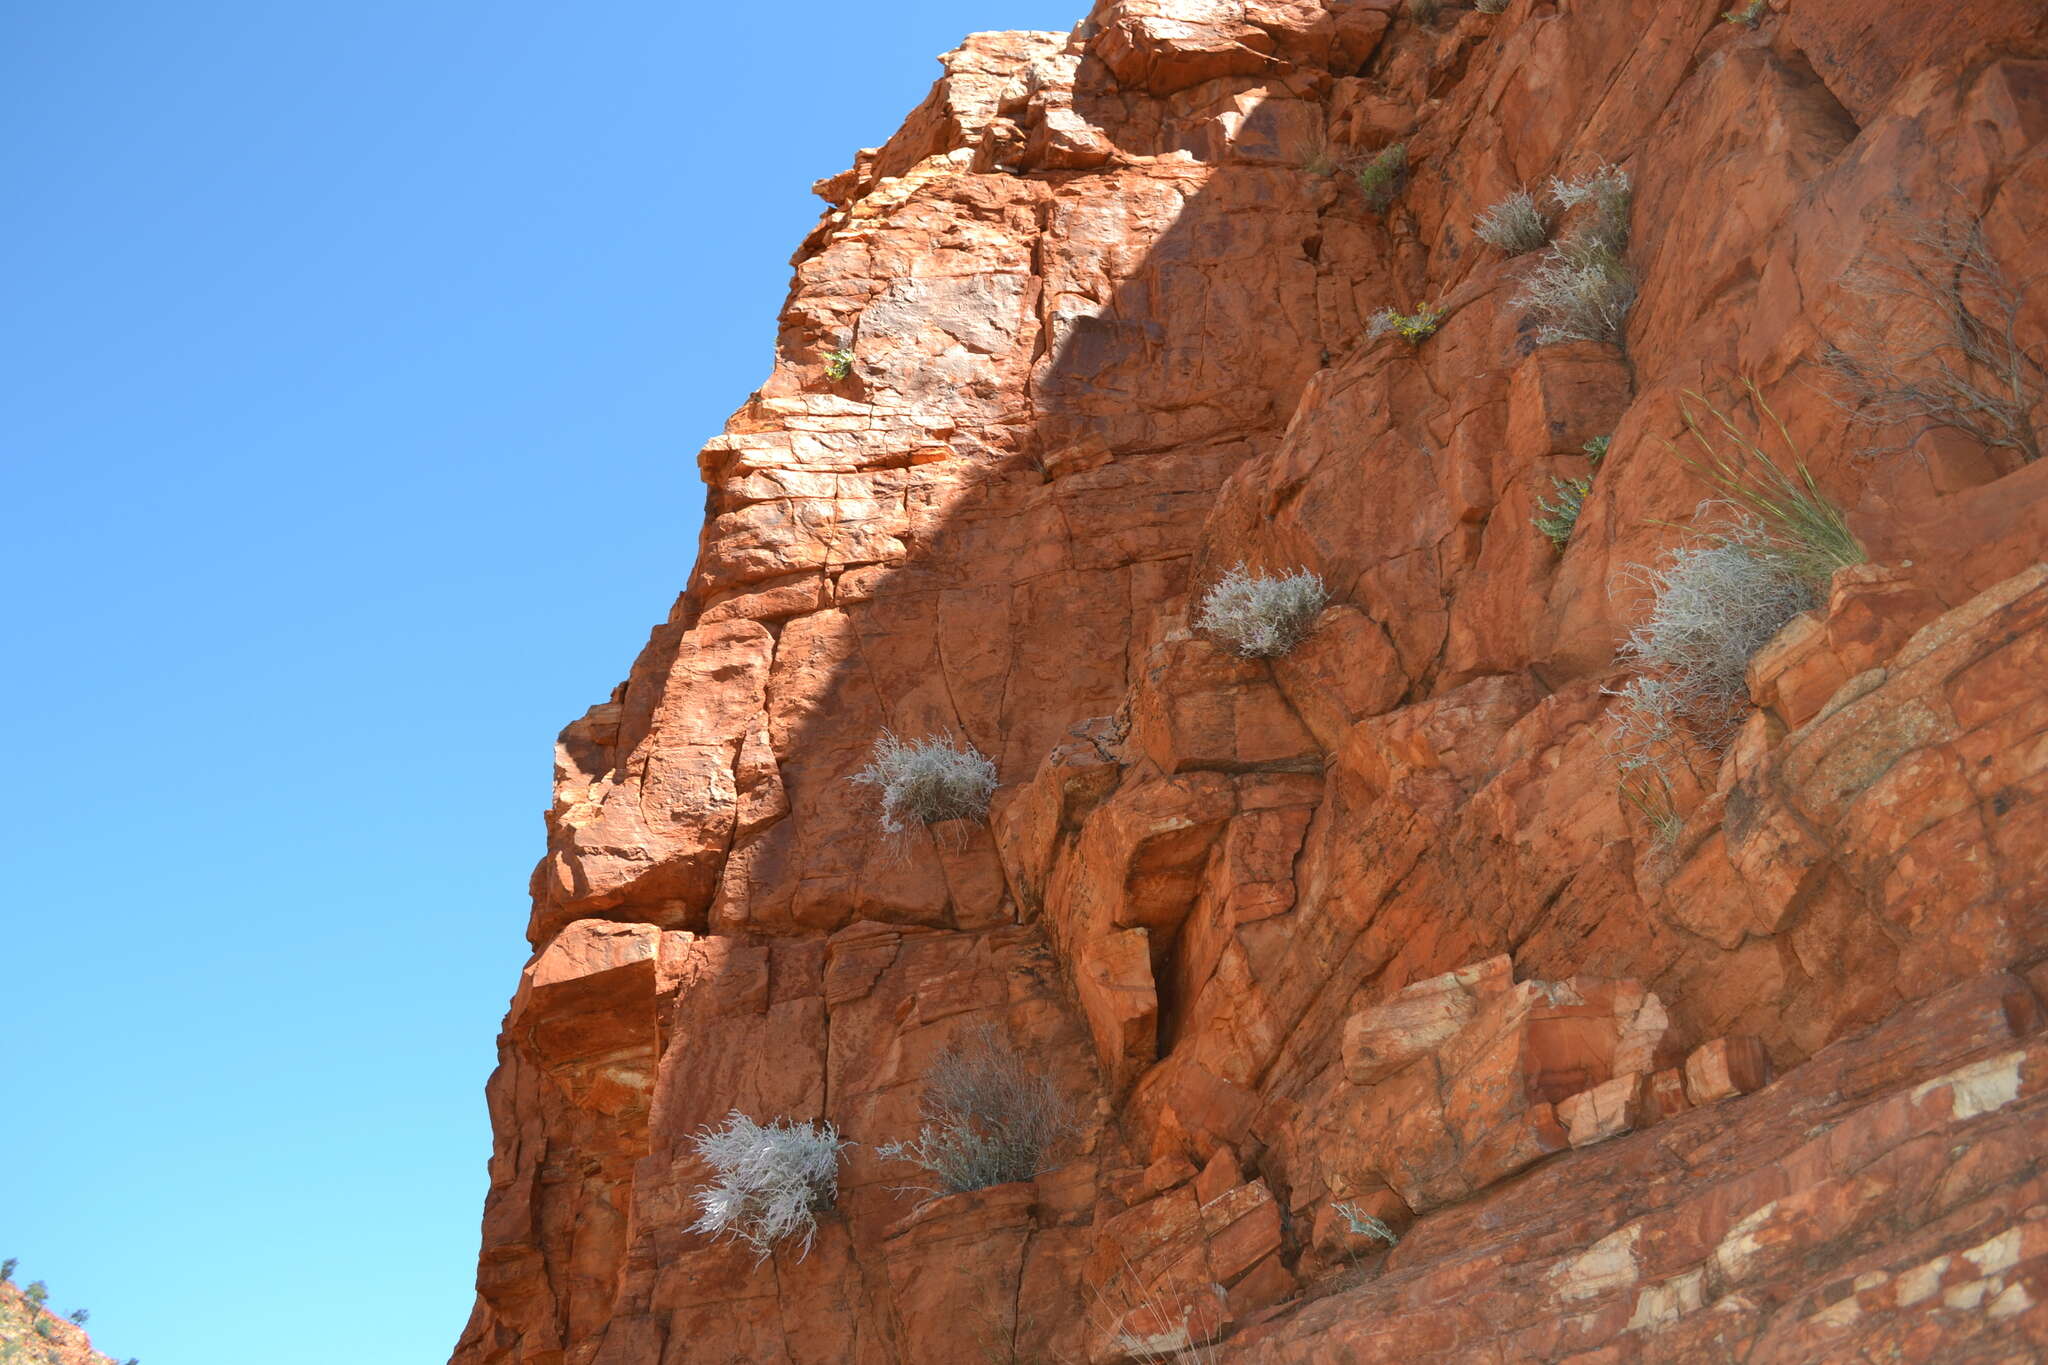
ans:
(1809, 531)
(990, 1118)
(1516, 225)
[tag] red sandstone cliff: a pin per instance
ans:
(1371, 922)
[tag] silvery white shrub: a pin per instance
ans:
(1583, 287)
(928, 781)
(1515, 224)
(990, 1118)
(1577, 296)
(1363, 1224)
(771, 1180)
(1261, 617)
(1714, 604)
(1603, 184)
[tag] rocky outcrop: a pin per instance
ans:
(30, 1334)
(1752, 1070)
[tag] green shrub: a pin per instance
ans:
(839, 364)
(1557, 520)
(1415, 327)
(1381, 179)
(1596, 448)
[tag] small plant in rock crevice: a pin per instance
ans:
(771, 1181)
(1316, 157)
(1610, 190)
(1382, 177)
(1142, 1328)
(1260, 617)
(1414, 328)
(1363, 1224)
(1582, 288)
(1491, 6)
(1749, 16)
(1596, 448)
(839, 363)
(989, 1117)
(1425, 12)
(928, 781)
(1558, 520)
(1514, 225)
(1717, 600)
(1714, 603)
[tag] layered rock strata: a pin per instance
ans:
(1757, 1074)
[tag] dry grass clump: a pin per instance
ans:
(1515, 225)
(1583, 288)
(771, 1180)
(1951, 356)
(989, 1117)
(1585, 300)
(1261, 617)
(928, 781)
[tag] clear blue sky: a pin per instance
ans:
(353, 362)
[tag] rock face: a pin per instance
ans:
(1366, 938)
